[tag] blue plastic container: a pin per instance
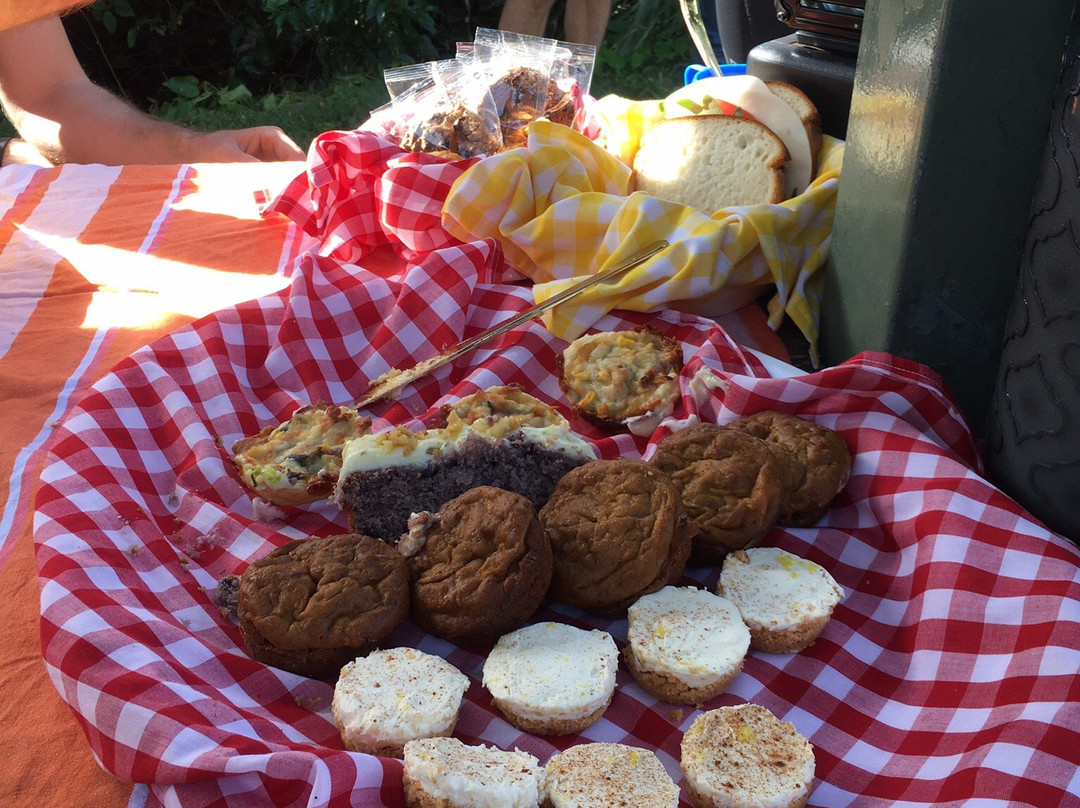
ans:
(695, 72)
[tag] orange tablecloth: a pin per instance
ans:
(94, 263)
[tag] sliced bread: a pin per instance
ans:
(807, 112)
(711, 162)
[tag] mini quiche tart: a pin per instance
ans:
(507, 404)
(622, 379)
(298, 462)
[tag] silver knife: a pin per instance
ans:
(396, 379)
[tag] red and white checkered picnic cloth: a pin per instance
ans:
(948, 673)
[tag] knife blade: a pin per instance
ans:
(394, 380)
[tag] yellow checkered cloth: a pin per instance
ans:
(561, 209)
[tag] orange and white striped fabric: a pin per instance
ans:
(94, 263)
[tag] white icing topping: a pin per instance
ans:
(744, 755)
(777, 590)
(688, 633)
(395, 695)
(609, 774)
(552, 671)
(474, 776)
(402, 447)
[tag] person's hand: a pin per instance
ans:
(264, 143)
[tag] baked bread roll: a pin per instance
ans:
(730, 486)
(814, 463)
(617, 531)
(709, 162)
(479, 567)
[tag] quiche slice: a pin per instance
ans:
(299, 461)
(622, 379)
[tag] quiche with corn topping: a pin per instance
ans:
(622, 379)
(299, 461)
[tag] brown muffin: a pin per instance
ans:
(730, 486)
(314, 604)
(617, 532)
(814, 461)
(479, 567)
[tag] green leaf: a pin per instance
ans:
(236, 96)
(183, 86)
(108, 19)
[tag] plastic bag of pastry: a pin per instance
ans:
(453, 115)
(521, 70)
(405, 77)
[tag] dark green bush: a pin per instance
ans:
(265, 45)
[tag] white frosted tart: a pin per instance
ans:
(609, 774)
(552, 678)
(446, 773)
(685, 645)
(396, 695)
(746, 757)
(784, 600)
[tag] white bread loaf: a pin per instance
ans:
(806, 110)
(710, 162)
(718, 94)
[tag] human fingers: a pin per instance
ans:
(268, 143)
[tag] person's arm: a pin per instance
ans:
(68, 119)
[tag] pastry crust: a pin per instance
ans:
(298, 461)
(615, 379)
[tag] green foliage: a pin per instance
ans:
(311, 66)
(342, 103)
(645, 50)
(267, 45)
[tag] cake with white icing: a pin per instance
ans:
(685, 645)
(785, 600)
(609, 775)
(396, 695)
(746, 757)
(385, 477)
(552, 678)
(446, 773)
